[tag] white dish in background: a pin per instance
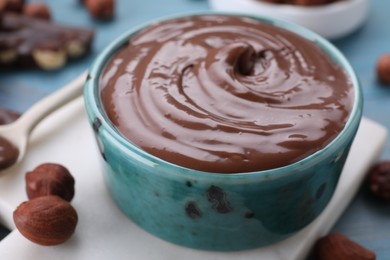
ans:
(103, 232)
(330, 21)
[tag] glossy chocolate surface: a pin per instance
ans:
(225, 94)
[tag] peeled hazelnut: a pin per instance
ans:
(8, 56)
(339, 247)
(49, 59)
(379, 180)
(2, 4)
(383, 69)
(47, 220)
(37, 10)
(50, 179)
(101, 9)
(75, 49)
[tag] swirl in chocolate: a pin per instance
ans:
(225, 94)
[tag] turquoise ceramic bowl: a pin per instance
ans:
(213, 211)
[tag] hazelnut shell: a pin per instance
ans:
(47, 220)
(50, 179)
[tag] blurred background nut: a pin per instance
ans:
(47, 220)
(8, 56)
(50, 179)
(338, 247)
(101, 9)
(379, 180)
(75, 49)
(383, 69)
(37, 10)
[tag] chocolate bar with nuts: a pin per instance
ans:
(27, 42)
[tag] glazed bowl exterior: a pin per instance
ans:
(214, 211)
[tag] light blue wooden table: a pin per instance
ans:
(366, 221)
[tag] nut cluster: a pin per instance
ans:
(383, 69)
(47, 218)
(37, 10)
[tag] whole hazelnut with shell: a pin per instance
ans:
(37, 10)
(47, 220)
(337, 246)
(50, 179)
(383, 69)
(100, 9)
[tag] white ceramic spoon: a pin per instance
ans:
(18, 132)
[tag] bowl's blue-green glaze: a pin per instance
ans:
(218, 211)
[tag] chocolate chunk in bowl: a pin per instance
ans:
(198, 117)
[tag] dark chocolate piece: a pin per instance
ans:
(27, 42)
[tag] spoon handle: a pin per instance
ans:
(52, 102)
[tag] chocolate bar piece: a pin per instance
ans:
(27, 42)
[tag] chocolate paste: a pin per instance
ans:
(8, 153)
(225, 94)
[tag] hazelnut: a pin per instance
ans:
(37, 10)
(47, 220)
(49, 59)
(50, 179)
(383, 69)
(379, 180)
(337, 246)
(75, 49)
(101, 9)
(2, 4)
(8, 56)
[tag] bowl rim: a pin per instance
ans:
(325, 9)
(92, 101)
